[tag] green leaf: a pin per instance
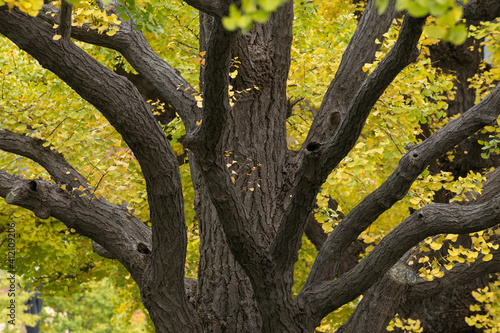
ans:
(416, 10)
(457, 34)
(270, 5)
(381, 5)
(248, 6)
(261, 16)
(437, 9)
(434, 31)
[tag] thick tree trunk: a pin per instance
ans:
(254, 148)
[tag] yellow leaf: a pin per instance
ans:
(369, 239)
(488, 257)
(435, 246)
(415, 201)
(56, 37)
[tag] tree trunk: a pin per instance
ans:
(254, 148)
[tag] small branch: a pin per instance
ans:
(65, 19)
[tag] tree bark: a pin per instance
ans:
(253, 196)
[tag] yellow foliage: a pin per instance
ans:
(30, 7)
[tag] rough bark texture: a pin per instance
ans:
(445, 312)
(253, 197)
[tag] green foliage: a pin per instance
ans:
(250, 12)
(89, 311)
(490, 146)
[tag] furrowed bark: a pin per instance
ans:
(254, 147)
(120, 102)
(397, 185)
(389, 296)
(65, 19)
(320, 159)
(481, 10)
(431, 220)
(108, 225)
(136, 50)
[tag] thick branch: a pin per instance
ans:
(411, 165)
(350, 75)
(120, 102)
(134, 47)
(319, 160)
(204, 142)
(215, 8)
(111, 227)
(481, 10)
(33, 148)
(428, 221)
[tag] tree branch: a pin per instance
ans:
(55, 164)
(217, 8)
(320, 159)
(431, 220)
(134, 47)
(120, 102)
(350, 75)
(62, 172)
(398, 292)
(204, 142)
(411, 165)
(108, 225)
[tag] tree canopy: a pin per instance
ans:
(256, 165)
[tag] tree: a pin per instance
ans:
(254, 196)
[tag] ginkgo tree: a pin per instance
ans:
(259, 163)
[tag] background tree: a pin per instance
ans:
(253, 195)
